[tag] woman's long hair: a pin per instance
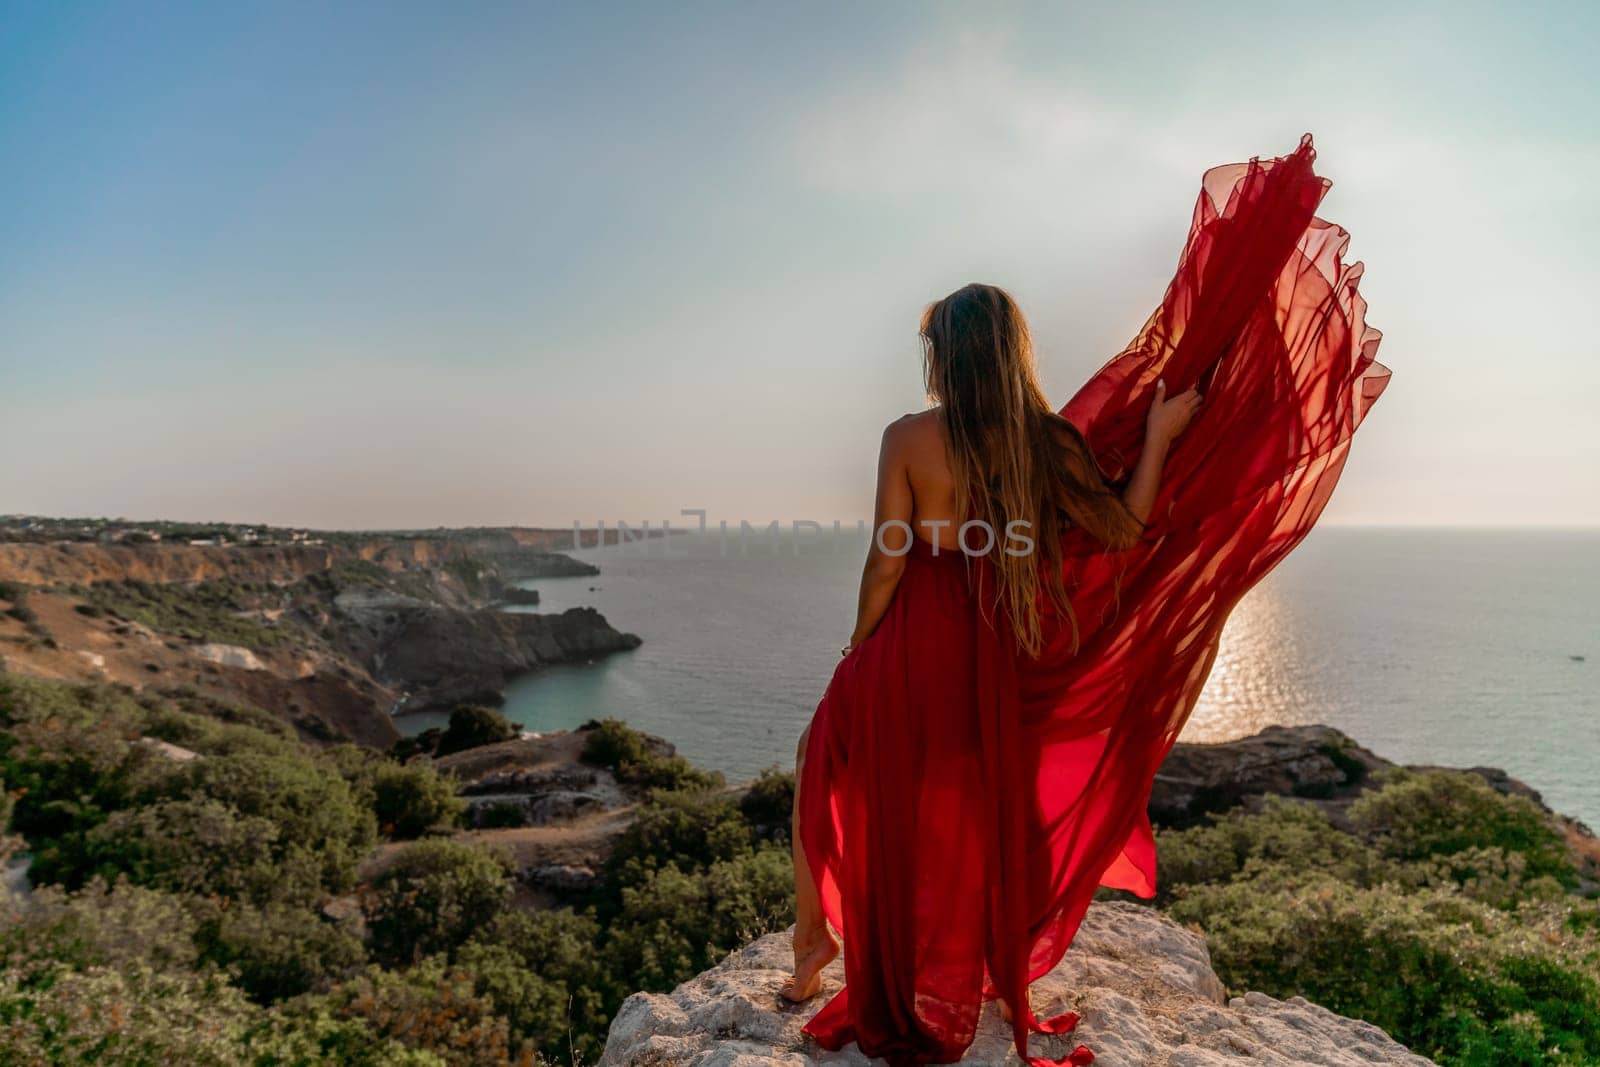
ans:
(1013, 457)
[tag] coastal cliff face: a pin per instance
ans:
(1142, 984)
(534, 554)
(440, 656)
(77, 563)
(84, 563)
(330, 637)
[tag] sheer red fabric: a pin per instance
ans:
(961, 802)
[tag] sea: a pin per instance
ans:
(1458, 647)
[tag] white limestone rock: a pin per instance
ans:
(1143, 985)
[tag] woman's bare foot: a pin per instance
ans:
(1005, 1009)
(812, 952)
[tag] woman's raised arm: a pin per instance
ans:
(1167, 419)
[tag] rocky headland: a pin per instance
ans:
(333, 633)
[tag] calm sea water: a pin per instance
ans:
(1457, 647)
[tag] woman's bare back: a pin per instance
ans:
(920, 448)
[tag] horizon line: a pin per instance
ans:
(846, 525)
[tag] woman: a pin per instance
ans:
(1041, 606)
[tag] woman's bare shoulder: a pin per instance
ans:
(916, 432)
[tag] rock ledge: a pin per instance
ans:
(1143, 984)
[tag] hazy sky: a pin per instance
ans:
(406, 265)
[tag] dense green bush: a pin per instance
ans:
(212, 945)
(612, 742)
(675, 923)
(689, 831)
(1451, 978)
(624, 751)
(472, 726)
(1441, 917)
(1284, 832)
(195, 845)
(432, 897)
(278, 952)
(322, 832)
(68, 755)
(541, 971)
(69, 1016)
(114, 975)
(1420, 816)
(102, 925)
(768, 803)
(188, 718)
(412, 798)
(432, 1007)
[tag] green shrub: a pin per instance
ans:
(432, 898)
(1443, 919)
(1284, 830)
(68, 1017)
(628, 754)
(71, 1017)
(472, 726)
(66, 752)
(676, 923)
(1422, 815)
(322, 828)
(410, 799)
(689, 831)
(307, 1032)
(768, 804)
(433, 1008)
(279, 952)
(1443, 974)
(119, 926)
(195, 845)
(207, 724)
(424, 744)
(668, 773)
(541, 971)
(611, 743)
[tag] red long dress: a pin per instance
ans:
(961, 802)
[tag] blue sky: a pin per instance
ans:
(389, 264)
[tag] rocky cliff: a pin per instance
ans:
(77, 563)
(439, 656)
(331, 637)
(1142, 984)
(84, 563)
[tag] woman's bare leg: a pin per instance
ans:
(814, 944)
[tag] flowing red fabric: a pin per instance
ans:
(961, 802)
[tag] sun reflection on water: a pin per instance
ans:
(1261, 673)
